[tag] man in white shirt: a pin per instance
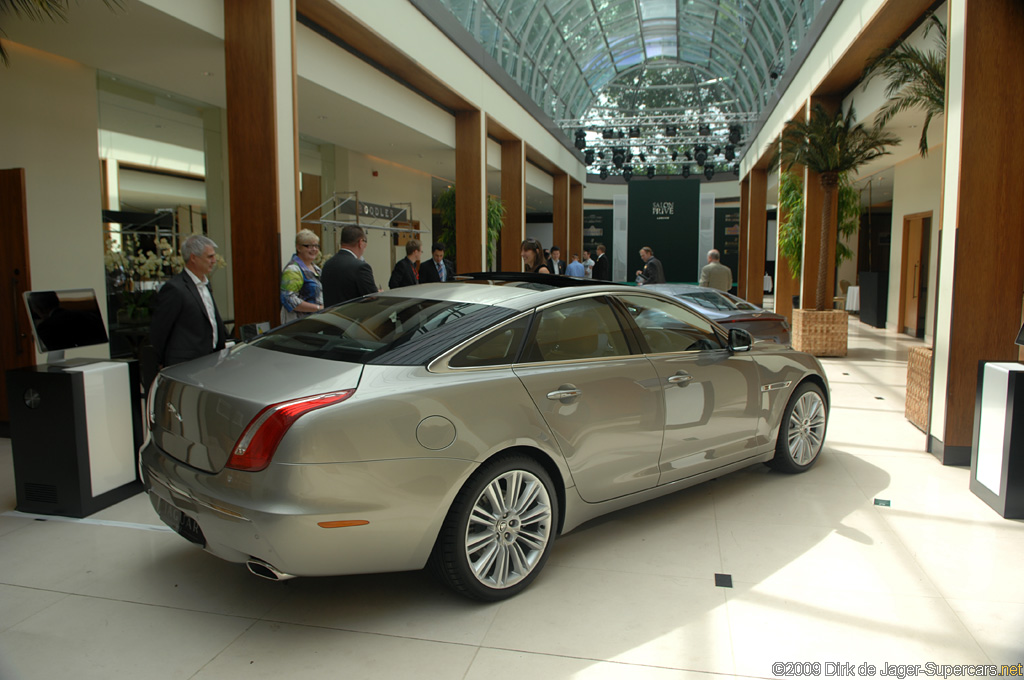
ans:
(186, 324)
(588, 265)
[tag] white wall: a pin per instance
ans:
(48, 125)
(917, 188)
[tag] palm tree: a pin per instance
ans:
(38, 10)
(830, 146)
(917, 80)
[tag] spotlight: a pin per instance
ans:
(627, 173)
(704, 129)
(588, 156)
(685, 171)
(736, 169)
(650, 172)
(634, 132)
(643, 159)
(700, 154)
(671, 130)
(718, 150)
(774, 75)
(618, 156)
(730, 153)
(709, 171)
(604, 172)
(608, 133)
(688, 156)
(629, 156)
(622, 133)
(600, 154)
(675, 155)
(735, 134)
(581, 139)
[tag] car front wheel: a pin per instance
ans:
(802, 431)
(499, 531)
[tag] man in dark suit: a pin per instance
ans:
(404, 273)
(652, 271)
(603, 265)
(437, 269)
(186, 324)
(556, 265)
(345, 276)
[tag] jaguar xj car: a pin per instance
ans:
(465, 426)
(729, 311)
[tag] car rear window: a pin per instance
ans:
(720, 301)
(383, 330)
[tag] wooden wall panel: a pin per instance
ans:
(513, 195)
(252, 159)
(757, 235)
(989, 266)
(17, 349)
(575, 221)
(741, 274)
(470, 191)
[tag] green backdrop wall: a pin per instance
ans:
(664, 214)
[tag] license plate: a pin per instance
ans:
(186, 527)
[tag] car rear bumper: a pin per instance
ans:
(274, 515)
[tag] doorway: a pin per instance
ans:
(914, 277)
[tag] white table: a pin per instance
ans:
(853, 299)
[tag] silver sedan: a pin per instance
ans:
(464, 425)
(729, 311)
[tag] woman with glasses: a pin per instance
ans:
(533, 257)
(301, 292)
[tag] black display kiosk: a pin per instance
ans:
(997, 456)
(76, 429)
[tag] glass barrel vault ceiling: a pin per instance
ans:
(656, 80)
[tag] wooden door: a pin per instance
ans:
(16, 348)
(912, 273)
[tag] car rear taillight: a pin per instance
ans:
(259, 441)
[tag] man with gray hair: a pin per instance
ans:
(186, 324)
(715, 274)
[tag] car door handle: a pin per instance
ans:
(564, 392)
(680, 378)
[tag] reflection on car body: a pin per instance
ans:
(464, 425)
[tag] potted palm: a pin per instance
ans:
(829, 145)
(495, 217)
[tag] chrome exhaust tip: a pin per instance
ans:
(264, 570)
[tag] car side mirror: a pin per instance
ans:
(740, 340)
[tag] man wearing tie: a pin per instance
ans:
(555, 264)
(437, 269)
(186, 324)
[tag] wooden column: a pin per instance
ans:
(470, 191)
(254, 158)
(575, 221)
(16, 347)
(513, 195)
(988, 212)
(741, 260)
(560, 216)
(757, 234)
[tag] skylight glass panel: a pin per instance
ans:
(657, 9)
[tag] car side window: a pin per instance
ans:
(497, 348)
(668, 327)
(580, 329)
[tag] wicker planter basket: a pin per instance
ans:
(919, 386)
(822, 334)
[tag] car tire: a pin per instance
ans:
(499, 530)
(802, 431)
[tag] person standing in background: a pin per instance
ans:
(603, 265)
(575, 267)
(556, 265)
(533, 258)
(404, 273)
(301, 292)
(439, 269)
(346, 275)
(652, 271)
(588, 265)
(715, 274)
(186, 324)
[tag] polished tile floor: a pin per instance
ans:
(820, 574)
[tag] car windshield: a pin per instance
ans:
(713, 299)
(383, 330)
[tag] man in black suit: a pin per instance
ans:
(345, 276)
(603, 265)
(186, 324)
(652, 271)
(556, 265)
(438, 269)
(404, 273)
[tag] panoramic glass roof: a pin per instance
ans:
(658, 78)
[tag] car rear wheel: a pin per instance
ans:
(499, 531)
(802, 432)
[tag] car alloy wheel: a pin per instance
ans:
(802, 432)
(499, 530)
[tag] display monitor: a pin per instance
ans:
(63, 319)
